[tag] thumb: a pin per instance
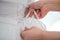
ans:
(44, 12)
(26, 28)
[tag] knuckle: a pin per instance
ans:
(23, 34)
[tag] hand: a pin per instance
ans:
(37, 34)
(39, 7)
(32, 34)
(42, 7)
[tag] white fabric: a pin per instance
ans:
(9, 28)
(11, 24)
(31, 21)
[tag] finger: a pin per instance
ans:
(26, 29)
(26, 11)
(33, 27)
(31, 12)
(44, 11)
(21, 35)
(35, 5)
(38, 12)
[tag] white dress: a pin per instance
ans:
(9, 29)
(10, 20)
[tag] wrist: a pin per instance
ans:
(44, 35)
(50, 35)
(41, 35)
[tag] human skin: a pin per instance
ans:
(38, 34)
(44, 6)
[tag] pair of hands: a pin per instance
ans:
(34, 33)
(39, 7)
(43, 7)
